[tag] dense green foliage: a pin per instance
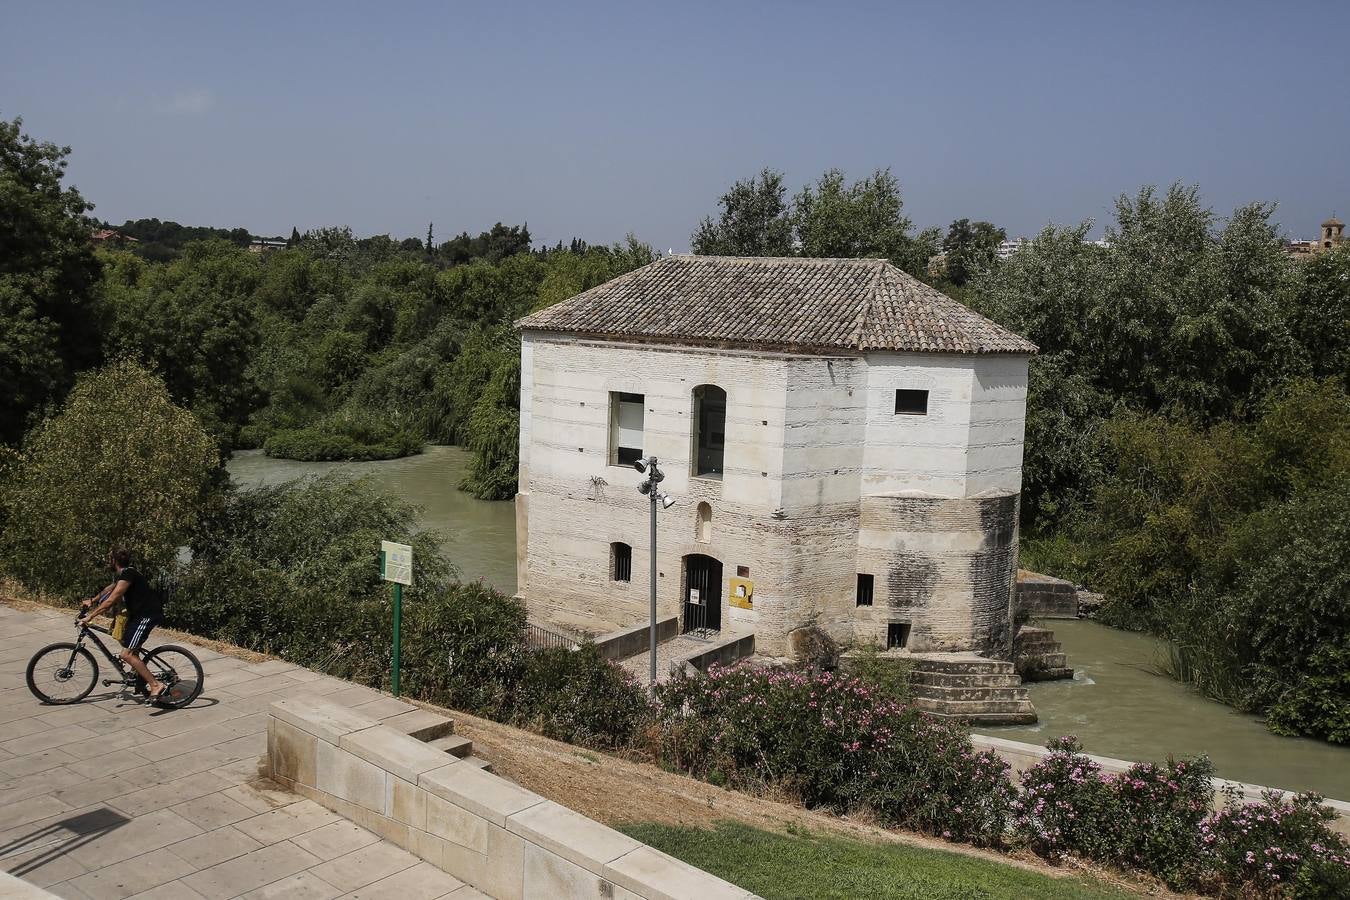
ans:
(164, 241)
(797, 866)
(48, 274)
(350, 349)
(830, 218)
(1177, 453)
(118, 465)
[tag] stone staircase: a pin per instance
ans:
(435, 730)
(1039, 657)
(971, 689)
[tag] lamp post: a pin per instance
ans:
(655, 495)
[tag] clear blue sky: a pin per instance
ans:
(595, 119)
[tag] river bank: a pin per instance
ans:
(478, 536)
(1117, 703)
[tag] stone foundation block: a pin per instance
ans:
(477, 791)
(570, 835)
(456, 825)
(500, 872)
(657, 876)
(405, 803)
(548, 876)
(393, 752)
(321, 718)
(291, 752)
(348, 778)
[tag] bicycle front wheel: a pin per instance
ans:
(180, 671)
(62, 673)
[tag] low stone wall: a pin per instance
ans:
(722, 653)
(506, 841)
(12, 888)
(1042, 597)
(628, 642)
(1023, 756)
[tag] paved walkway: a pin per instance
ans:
(110, 798)
(640, 665)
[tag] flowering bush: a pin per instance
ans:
(1147, 817)
(833, 741)
(1262, 848)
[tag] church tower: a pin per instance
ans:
(1333, 231)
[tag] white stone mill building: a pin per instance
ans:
(844, 444)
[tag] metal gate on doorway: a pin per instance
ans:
(702, 595)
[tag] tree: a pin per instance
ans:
(754, 220)
(294, 239)
(863, 219)
(970, 248)
(120, 464)
(1319, 316)
(48, 275)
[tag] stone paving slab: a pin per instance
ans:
(110, 799)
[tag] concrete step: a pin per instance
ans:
(421, 724)
(970, 708)
(478, 762)
(453, 744)
(989, 718)
(972, 666)
(952, 679)
(962, 694)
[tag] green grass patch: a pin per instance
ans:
(783, 866)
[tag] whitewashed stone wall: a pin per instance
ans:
(816, 462)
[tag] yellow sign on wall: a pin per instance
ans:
(742, 593)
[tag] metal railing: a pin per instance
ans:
(537, 637)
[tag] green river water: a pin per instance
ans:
(1115, 703)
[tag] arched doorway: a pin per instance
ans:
(702, 594)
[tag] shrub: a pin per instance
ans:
(1146, 818)
(580, 697)
(833, 741)
(333, 440)
(1258, 848)
(119, 464)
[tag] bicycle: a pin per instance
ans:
(69, 672)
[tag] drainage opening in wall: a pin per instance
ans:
(897, 635)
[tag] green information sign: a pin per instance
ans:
(396, 566)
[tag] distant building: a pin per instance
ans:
(1007, 248)
(111, 236)
(1333, 235)
(265, 245)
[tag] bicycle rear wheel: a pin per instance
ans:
(180, 671)
(62, 673)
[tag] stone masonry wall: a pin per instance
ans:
(507, 842)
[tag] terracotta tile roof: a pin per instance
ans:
(784, 303)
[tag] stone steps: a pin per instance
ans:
(971, 689)
(1039, 657)
(436, 730)
(949, 679)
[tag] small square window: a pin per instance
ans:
(897, 635)
(911, 402)
(864, 590)
(622, 567)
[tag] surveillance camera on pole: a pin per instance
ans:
(647, 466)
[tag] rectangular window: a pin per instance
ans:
(625, 428)
(911, 403)
(864, 590)
(623, 562)
(897, 635)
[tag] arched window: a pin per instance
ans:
(703, 526)
(710, 425)
(621, 562)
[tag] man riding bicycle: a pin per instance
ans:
(145, 609)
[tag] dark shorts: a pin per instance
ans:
(137, 631)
